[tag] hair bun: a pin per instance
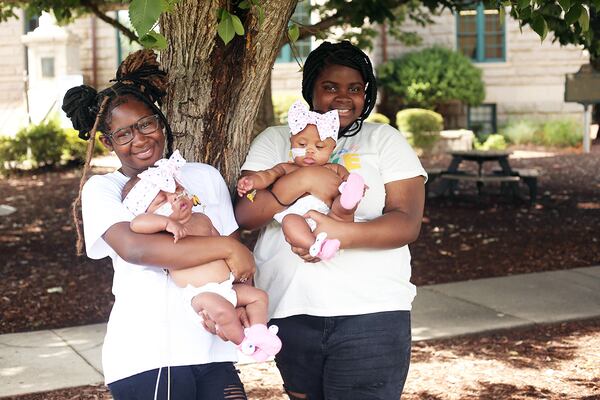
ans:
(80, 105)
(141, 68)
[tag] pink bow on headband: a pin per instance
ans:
(328, 124)
(166, 172)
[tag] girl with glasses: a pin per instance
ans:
(152, 348)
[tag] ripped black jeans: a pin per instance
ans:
(347, 357)
(214, 381)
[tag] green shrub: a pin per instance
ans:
(281, 104)
(562, 133)
(493, 142)
(421, 127)
(378, 118)
(44, 141)
(75, 148)
(520, 131)
(431, 77)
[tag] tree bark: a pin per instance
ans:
(216, 90)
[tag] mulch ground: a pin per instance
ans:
(552, 362)
(46, 285)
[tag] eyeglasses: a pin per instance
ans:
(145, 126)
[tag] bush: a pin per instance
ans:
(378, 118)
(45, 143)
(75, 148)
(554, 133)
(431, 77)
(520, 131)
(493, 142)
(281, 104)
(420, 126)
(562, 133)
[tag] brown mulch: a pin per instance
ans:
(45, 285)
(553, 362)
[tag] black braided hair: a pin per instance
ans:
(346, 54)
(138, 76)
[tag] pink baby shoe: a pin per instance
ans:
(324, 248)
(260, 342)
(352, 191)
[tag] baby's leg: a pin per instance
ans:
(222, 312)
(297, 231)
(256, 302)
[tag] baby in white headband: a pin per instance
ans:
(313, 139)
(160, 203)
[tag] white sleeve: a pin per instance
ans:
(265, 150)
(398, 159)
(101, 208)
(226, 209)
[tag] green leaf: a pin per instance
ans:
(225, 28)
(261, 14)
(584, 20)
(244, 5)
(293, 33)
(565, 4)
(144, 14)
(154, 40)
(573, 14)
(539, 25)
(523, 3)
(237, 25)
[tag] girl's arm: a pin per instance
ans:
(399, 225)
(159, 250)
(319, 181)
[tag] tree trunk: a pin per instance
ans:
(265, 116)
(216, 90)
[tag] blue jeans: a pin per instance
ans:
(191, 382)
(348, 357)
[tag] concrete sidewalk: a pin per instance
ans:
(53, 359)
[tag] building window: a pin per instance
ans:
(301, 16)
(481, 34)
(124, 45)
(481, 119)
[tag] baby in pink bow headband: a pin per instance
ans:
(160, 203)
(313, 139)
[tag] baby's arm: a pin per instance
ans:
(153, 223)
(263, 179)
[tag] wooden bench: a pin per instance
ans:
(513, 180)
(529, 177)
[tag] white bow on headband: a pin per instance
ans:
(164, 177)
(328, 124)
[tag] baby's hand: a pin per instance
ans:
(244, 185)
(178, 230)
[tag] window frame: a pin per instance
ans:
(480, 36)
(494, 121)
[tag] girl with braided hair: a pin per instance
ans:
(152, 348)
(344, 322)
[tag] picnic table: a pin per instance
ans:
(505, 174)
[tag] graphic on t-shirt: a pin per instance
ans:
(348, 157)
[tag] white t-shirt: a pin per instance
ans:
(148, 326)
(356, 281)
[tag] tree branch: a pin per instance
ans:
(111, 21)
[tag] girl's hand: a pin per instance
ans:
(244, 185)
(335, 229)
(178, 230)
(240, 261)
